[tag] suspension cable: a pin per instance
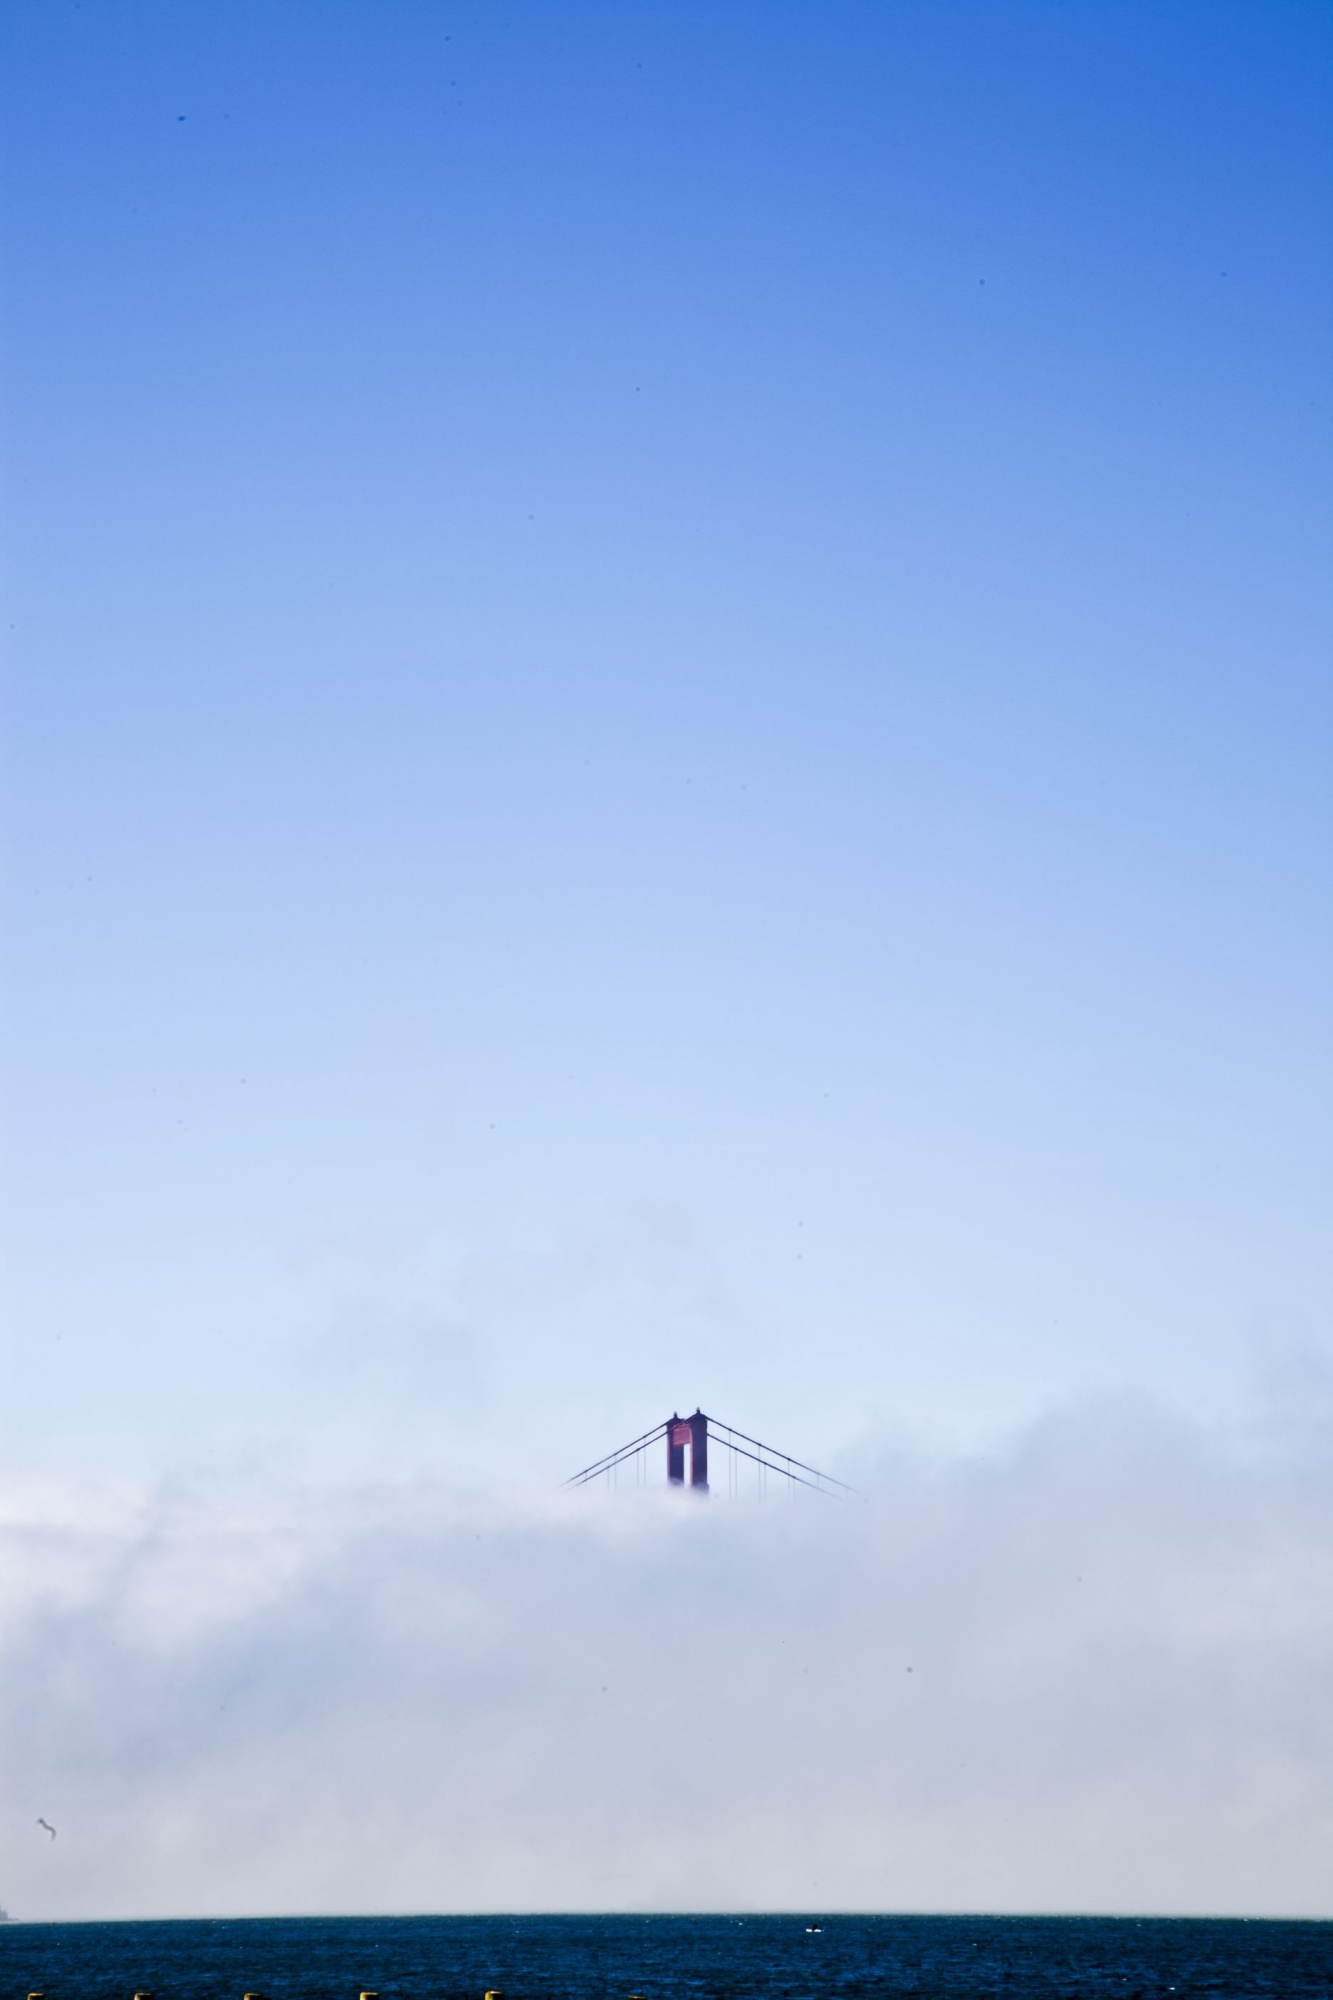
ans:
(773, 1452)
(605, 1464)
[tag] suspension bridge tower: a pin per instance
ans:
(760, 1463)
(688, 1433)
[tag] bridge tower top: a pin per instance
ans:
(694, 1434)
(688, 1433)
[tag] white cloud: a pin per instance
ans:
(1091, 1675)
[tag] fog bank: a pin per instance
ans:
(1093, 1674)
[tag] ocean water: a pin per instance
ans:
(707, 1958)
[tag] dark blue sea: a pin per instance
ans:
(706, 1958)
(699, 1957)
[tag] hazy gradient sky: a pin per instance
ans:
(668, 724)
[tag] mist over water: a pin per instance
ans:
(1089, 1674)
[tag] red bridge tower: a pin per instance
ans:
(691, 1431)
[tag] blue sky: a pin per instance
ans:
(667, 724)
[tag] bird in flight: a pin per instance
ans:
(47, 1824)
